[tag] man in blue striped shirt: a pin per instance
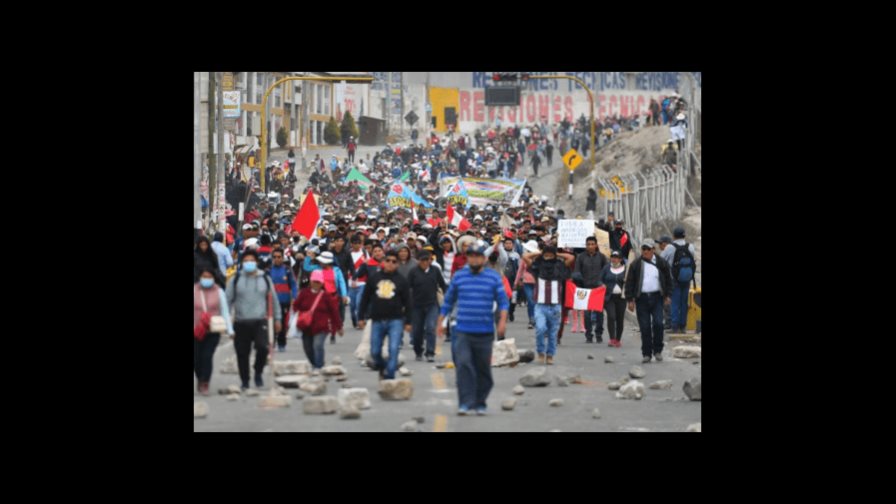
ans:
(474, 290)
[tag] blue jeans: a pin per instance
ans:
(530, 300)
(378, 331)
(547, 324)
(650, 321)
(473, 362)
(354, 294)
(423, 319)
(314, 348)
(679, 313)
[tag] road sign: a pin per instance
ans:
(411, 118)
(572, 159)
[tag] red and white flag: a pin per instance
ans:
(585, 299)
(414, 213)
(454, 218)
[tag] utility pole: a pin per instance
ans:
(197, 150)
(401, 89)
(211, 143)
(219, 196)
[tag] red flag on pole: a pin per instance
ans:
(453, 218)
(307, 218)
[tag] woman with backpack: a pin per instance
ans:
(324, 318)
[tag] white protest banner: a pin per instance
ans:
(572, 232)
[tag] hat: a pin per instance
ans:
(508, 234)
(616, 253)
(317, 276)
(477, 247)
(427, 226)
(381, 229)
(332, 227)
(530, 246)
(648, 243)
(532, 232)
(618, 222)
(545, 219)
(412, 236)
(478, 217)
(680, 116)
(313, 249)
(251, 243)
(664, 239)
(247, 226)
(678, 232)
(325, 258)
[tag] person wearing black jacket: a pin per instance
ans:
(385, 300)
(590, 264)
(649, 285)
(205, 258)
(591, 205)
(620, 240)
(424, 282)
(613, 276)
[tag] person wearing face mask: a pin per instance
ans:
(474, 290)
(325, 318)
(208, 300)
(551, 270)
(251, 293)
(613, 276)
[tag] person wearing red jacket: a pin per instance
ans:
(325, 318)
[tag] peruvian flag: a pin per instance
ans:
(307, 218)
(584, 299)
(453, 218)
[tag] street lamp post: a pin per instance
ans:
(264, 101)
(590, 99)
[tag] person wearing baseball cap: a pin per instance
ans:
(648, 288)
(474, 290)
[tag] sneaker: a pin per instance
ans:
(481, 411)
(332, 340)
(540, 359)
(612, 343)
(599, 339)
(658, 357)
(463, 411)
(645, 360)
(531, 326)
(510, 317)
(203, 388)
(281, 348)
(589, 340)
(244, 386)
(550, 360)
(618, 344)
(419, 358)
(258, 381)
(430, 358)
(382, 374)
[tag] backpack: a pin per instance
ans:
(236, 280)
(683, 264)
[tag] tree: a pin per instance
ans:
(331, 133)
(281, 136)
(348, 127)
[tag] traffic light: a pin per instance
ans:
(505, 77)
